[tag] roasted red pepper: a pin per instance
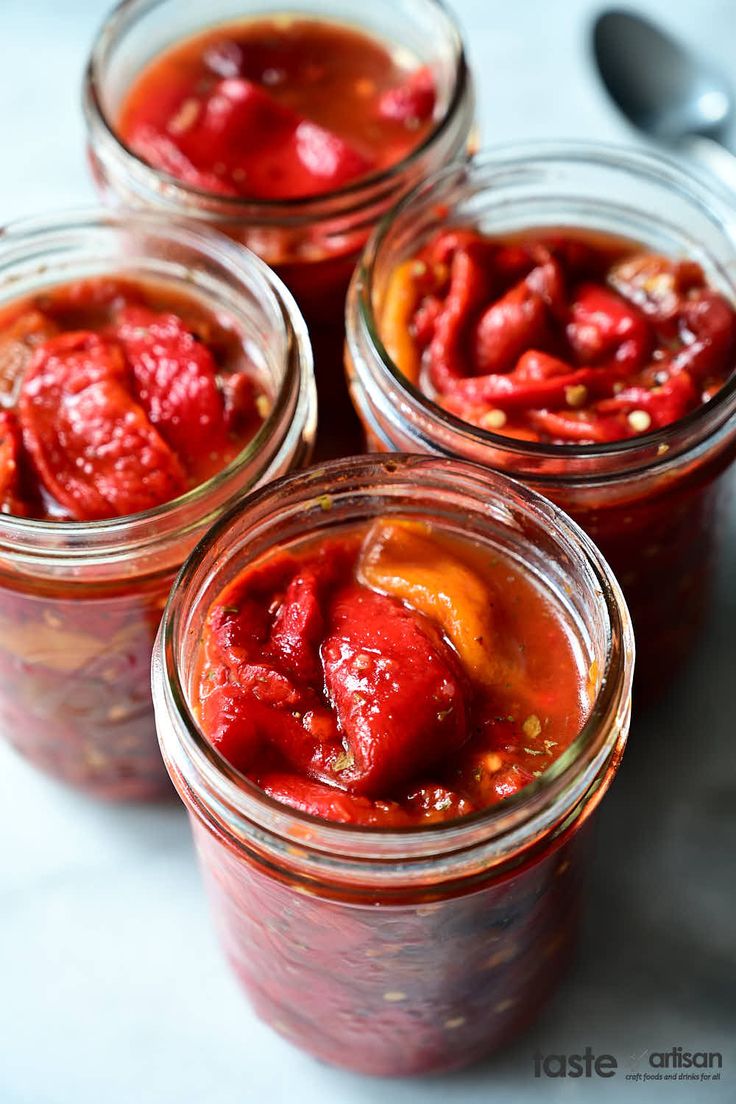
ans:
(277, 109)
(389, 677)
(507, 328)
(412, 102)
(557, 339)
(90, 442)
(447, 352)
(396, 688)
(175, 378)
(119, 403)
(10, 455)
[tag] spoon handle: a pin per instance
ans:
(713, 156)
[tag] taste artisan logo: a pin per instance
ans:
(676, 1064)
(586, 1064)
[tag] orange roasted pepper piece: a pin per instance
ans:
(400, 303)
(399, 558)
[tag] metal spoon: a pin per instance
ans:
(665, 91)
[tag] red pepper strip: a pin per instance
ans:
(602, 324)
(571, 427)
(230, 725)
(93, 446)
(262, 148)
(507, 328)
(506, 263)
(162, 152)
(548, 281)
(396, 687)
(468, 291)
(664, 405)
(10, 449)
(509, 392)
(510, 780)
(443, 248)
(20, 334)
(273, 613)
(518, 320)
(238, 632)
(425, 320)
(709, 322)
(331, 804)
(269, 692)
(176, 382)
(262, 707)
(512, 263)
(275, 152)
(239, 395)
(291, 719)
(655, 284)
(298, 628)
(535, 365)
(411, 102)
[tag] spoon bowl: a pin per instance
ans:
(664, 90)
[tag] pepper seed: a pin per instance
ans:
(493, 419)
(639, 420)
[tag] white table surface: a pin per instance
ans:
(112, 988)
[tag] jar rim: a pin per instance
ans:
(240, 208)
(20, 241)
(603, 731)
(656, 445)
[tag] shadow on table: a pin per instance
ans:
(657, 965)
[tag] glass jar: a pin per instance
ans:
(411, 950)
(651, 503)
(312, 243)
(80, 602)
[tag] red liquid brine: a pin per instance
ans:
(278, 109)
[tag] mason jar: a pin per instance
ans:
(410, 950)
(313, 243)
(80, 602)
(654, 504)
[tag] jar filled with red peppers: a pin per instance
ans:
(150, 375)
(292, 129)
(567, 314)
(390, 692)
